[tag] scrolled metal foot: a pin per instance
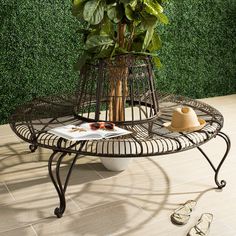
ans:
(58, 213)
(220, 185)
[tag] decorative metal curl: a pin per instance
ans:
(33, 147)
(220, 183)
(60, 188)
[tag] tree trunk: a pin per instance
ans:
(118, 82)
(118, 90)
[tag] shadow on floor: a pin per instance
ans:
(117, 201)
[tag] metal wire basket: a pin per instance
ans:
(120, 90)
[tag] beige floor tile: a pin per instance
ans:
(5, 130)
(163, 228)
(11, 139)
(5, 196)
(139, 186)
(221, 206)
(110, 190)
(21, 170)
(222, 101)
(121, 218)
(137, 165)
(21, 164)
(36, 198)
(25, 231)
(218, 202)
(146, 181)
(18, 150)
(42, 185)
(30, 210)
(103, 220)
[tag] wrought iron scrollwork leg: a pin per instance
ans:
(222, 183)
(56, 180)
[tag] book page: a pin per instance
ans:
(69, 132)
(84, 132)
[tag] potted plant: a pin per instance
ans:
(112, 29)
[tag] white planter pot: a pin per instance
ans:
(116, 163)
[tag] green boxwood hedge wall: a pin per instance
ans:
(199, 48)
(39, 45)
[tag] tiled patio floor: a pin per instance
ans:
(137, 201)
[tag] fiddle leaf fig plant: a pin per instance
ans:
(113, 27)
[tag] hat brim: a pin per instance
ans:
(186, 129)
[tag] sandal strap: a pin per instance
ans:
(186, 208)
(179, 215)
(199, 231)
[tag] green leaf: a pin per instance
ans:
(126, 1)
(104, 52)
(107, 27)
(157, 61)
(94, 11)
(121, 50)
(98, 40)
(81, 61)
(156, 41)
(148, 38)
(138, 41)
(163, 18)
(114, 50)
(155, 44)
(153, 8)
(148, 20)
(129, 13)
(158, 7)
(115, 13)
(77, 7)
(133, 4)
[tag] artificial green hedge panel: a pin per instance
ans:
(199, 48)
(39, 45)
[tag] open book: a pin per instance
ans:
(84, 132)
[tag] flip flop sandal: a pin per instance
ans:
(182, 214)
(202, 228)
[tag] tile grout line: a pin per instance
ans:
(92, 168)
(99, 205)
(9, 191)
(32, 227)
(77, 205)
(91, 207)
(15, 228)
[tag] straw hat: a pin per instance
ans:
(185, 119)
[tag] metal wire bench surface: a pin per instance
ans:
(32, 121)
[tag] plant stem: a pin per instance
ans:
(121, 34)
